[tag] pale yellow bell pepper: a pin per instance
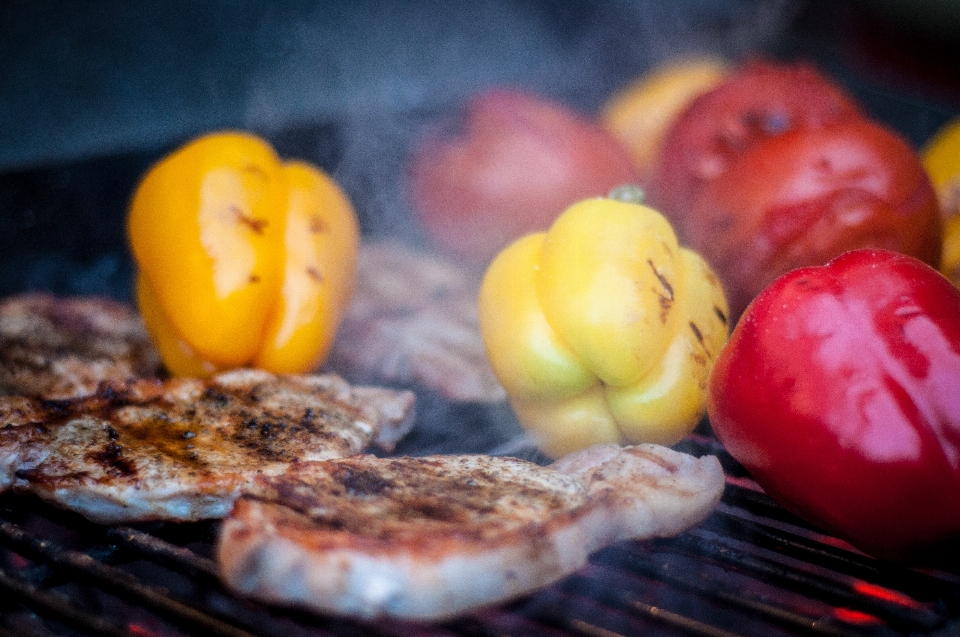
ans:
(243, 259)
(603, 328)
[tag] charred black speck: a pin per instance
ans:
(255, 225)
(666, 295)
(112, 433)
(308, 417)
(112, 457)
(360, 482)
(663, 280)
(217, 397)
(58, 408)
(703, 345)
(697, 332)
(720, 314)
(107, 392)
(268, 429)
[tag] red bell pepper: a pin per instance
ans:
(839, 391)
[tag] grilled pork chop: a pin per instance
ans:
(184, 449)
(428, 537)
(65, 347)
(413, 321)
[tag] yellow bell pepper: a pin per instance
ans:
(243, 259)
(941, 158)
(602, 328)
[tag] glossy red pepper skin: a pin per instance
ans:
(839, 390)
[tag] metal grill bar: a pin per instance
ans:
(750, 570)
(166, 554)
(57, 607)
(647, 567)
(114, 580)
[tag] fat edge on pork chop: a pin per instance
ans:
(184, 449)
(426, 538)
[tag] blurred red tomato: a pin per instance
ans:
(777, 169)
(509, 164)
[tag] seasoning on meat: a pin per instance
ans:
(184, 449)
(64, 347)
(429, 537)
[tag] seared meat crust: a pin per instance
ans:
(185, 448)
(430, 537)
(413, 321)
(65, 347)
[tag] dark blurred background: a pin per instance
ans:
(92, 92)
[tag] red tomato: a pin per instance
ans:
(777, 169)
(839, 391)
(510, 165)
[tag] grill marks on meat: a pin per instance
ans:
(65, 347)
(427, 538)
(413, 321)
(184, 449)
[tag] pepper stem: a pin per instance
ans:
(627, 193)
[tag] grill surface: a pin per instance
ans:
(751, 569)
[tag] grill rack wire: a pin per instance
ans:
(750, 570)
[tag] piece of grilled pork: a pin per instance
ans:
(425, 538)
(413, 320)
(184, 449)
(64, 347)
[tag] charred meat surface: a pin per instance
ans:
(428, 537)
(413, 320)
(184, 449)
(64, 347)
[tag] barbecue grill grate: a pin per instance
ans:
(751, 569)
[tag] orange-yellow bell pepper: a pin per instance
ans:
(602, 328)
(941, 158)
(243, 259)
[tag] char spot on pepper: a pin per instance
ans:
(703, 345)
(255, 225)
(697, 332)
(318, 225)
(315, 274)
(720, 314)
(256, 170)
(663, 280)
(254, 278)
(666, 295)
